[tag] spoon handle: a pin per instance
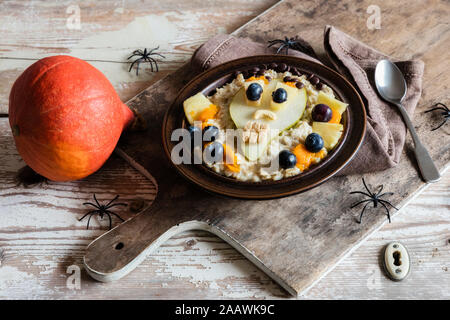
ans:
(426, 165)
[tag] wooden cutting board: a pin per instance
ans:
(295, 240)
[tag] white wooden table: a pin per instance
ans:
(41, 240)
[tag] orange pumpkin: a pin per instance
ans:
(66, 117)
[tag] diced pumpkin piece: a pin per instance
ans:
(230, 159)
(330, 133)
(335, 117)
(207, 114)
(304, 157)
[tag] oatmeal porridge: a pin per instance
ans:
(269, 126)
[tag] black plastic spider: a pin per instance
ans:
(294, 43)
(375, 198)
(445, 113)
(145, 56)
(102, 209)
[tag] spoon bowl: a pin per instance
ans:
(391, 86)
(390, 81)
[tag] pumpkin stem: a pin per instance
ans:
(134, 122)
(28, 177)
(128, 116)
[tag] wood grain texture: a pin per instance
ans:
(37, 245)
(40, 238)
(287, 250)
(110, 31)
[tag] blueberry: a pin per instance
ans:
(287, 159)
(254, 92)
(210, 133)
(195, 131)
(322, 113)
(213, 152)
(279, 95)
(314, 142)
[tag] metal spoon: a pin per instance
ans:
(391, 85)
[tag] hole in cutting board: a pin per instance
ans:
(119, 246)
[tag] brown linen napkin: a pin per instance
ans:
(386, 131)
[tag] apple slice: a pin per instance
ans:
(291, 94)
(330, 133)
(286, 117)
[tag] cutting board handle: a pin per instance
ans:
(119, 251)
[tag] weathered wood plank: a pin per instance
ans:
(110, 31)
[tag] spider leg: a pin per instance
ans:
(280, 48)
(274, 42)
(361, 193)
(367, 188)
(151, 52)
(96, 201)
(158, 54)
(443, 105)
(387, 211)
(136, 53)
(156, 64)
(112, 200)
(91, 204)
(287, 49)
(89, 220)
(87, 214)
(385, 194)
(387, 202)
(379, 191)
(133, 55)
(110, 219)
(113, 213)
(150, 60)
(132, 64)
(440, 125)
(359, 202)
(362, 212)
(436, 108)
(137, 66)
